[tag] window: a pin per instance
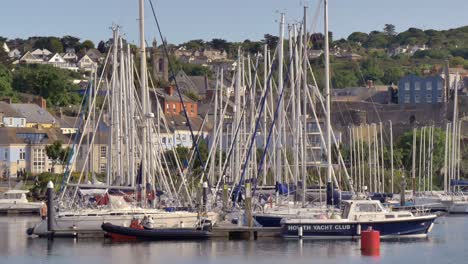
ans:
(6, 155)
(163, 140)
(368, 208)
(407, 98)
(11, 121)
(102, 168)
(103, 152)
(417, 86)
(167, 106)
(407, 86)
(183, 137)
(173, 107)
(417, 99)
(39, 160)
(22, 154)
(429, 98)
(439, 98)
(429, 86)
(439, 85)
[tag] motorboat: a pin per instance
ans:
(357, 215)
(15, 201)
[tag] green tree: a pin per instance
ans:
(5, 82)
(270, 40)
(54, 84)
(87, 45)
(52, 44)
(57, 153)
(389, 29)
(358, 37)
(219, 44)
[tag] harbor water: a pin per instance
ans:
(446, 244)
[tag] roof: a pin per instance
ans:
(34, 114)
(175, 97)
(9, 111)
(179, 122)
(68, 121)
(28, 135)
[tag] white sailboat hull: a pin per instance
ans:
(68, 223)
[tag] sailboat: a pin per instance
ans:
(132, 163)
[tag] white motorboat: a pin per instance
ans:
(15, 201)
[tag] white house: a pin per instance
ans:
(56, 58)
(86, 63)
(28, 57)
(14, 54)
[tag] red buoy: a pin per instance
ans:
(370, 242)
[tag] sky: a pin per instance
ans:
(233, 20)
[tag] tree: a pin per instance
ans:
(87, 45)
(195, 44)
(358, 37)
(219, 44)
(102, 47)
(52, 44)
(389, 29)
(270, 40)
(57, 153)
(52, 83)
(70, 42)
(5, 81)
(457, 61)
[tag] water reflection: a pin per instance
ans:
(446, 244)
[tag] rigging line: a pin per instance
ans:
(171, 68)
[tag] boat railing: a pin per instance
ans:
(417, 210)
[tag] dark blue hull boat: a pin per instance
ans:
(419, 227)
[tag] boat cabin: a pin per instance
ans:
(14, 195)
(369, 210)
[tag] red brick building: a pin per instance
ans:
(170, 101)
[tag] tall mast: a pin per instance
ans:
(279, 156)
(143, 91)
(304, 136)
(328, 121)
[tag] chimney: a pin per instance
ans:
(170, 90)
(41, 102)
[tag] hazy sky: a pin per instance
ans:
(233, 20)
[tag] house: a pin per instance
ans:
(29, 58)
(314, 54)
(98, 153)
(43, 54)
(85, 63)
(14, 54)
(94, 55)
(23, 150)
(419, 90)
(69, 125)
(9, 117)
(349, 56)
(35, 115)
(6, 48)
(170, 102)
(70, 55)
(179, 133)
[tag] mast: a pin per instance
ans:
(279, 156)
(328, 102)
(391, 155)
(144, 94)
(303, 136)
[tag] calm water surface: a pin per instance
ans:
(448, 243)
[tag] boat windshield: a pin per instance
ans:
(368, 208)
(11, 196)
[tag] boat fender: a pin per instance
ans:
(30, 231)
(44, 211)
(358, 230)
(300, 232)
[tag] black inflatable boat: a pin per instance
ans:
(121, 232)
